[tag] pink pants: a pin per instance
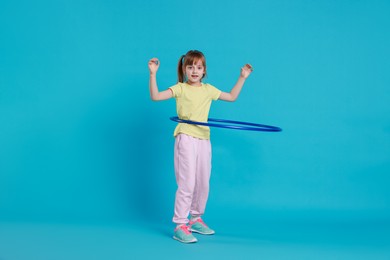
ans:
(192, 169)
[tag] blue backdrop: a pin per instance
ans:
(80, 139)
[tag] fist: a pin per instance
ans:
(246, 70)
(153, 65)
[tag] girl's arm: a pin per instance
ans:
(156, 95)
(233, 94)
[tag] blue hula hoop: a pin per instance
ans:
(237, 125)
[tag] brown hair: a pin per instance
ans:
(189, 59)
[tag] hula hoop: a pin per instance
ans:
(237, 125)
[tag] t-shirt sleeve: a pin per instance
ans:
(176, 90)
(214, 92)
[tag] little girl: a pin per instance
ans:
(192, 150)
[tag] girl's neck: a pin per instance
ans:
(194, 84)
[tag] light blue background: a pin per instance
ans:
(81, 141)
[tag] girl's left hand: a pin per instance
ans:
(153, 65)
(246, 70)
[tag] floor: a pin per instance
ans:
(140, 240)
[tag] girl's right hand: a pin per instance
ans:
(153, 64)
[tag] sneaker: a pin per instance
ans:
(184, 235)
(200, 227)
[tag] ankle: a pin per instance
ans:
(194, 218)
(179, 225)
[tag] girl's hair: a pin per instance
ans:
(190, 58)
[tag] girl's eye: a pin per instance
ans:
(199, 68)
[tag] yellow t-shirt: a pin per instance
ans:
(193, 103)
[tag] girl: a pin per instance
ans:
(192, 150)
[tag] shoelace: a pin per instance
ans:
(198, 220)
(185, 229)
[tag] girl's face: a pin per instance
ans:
(195, 73)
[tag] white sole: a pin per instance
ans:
(185, 242)
(196, 231)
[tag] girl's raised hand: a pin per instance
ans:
(246, 70)
(153, 65)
